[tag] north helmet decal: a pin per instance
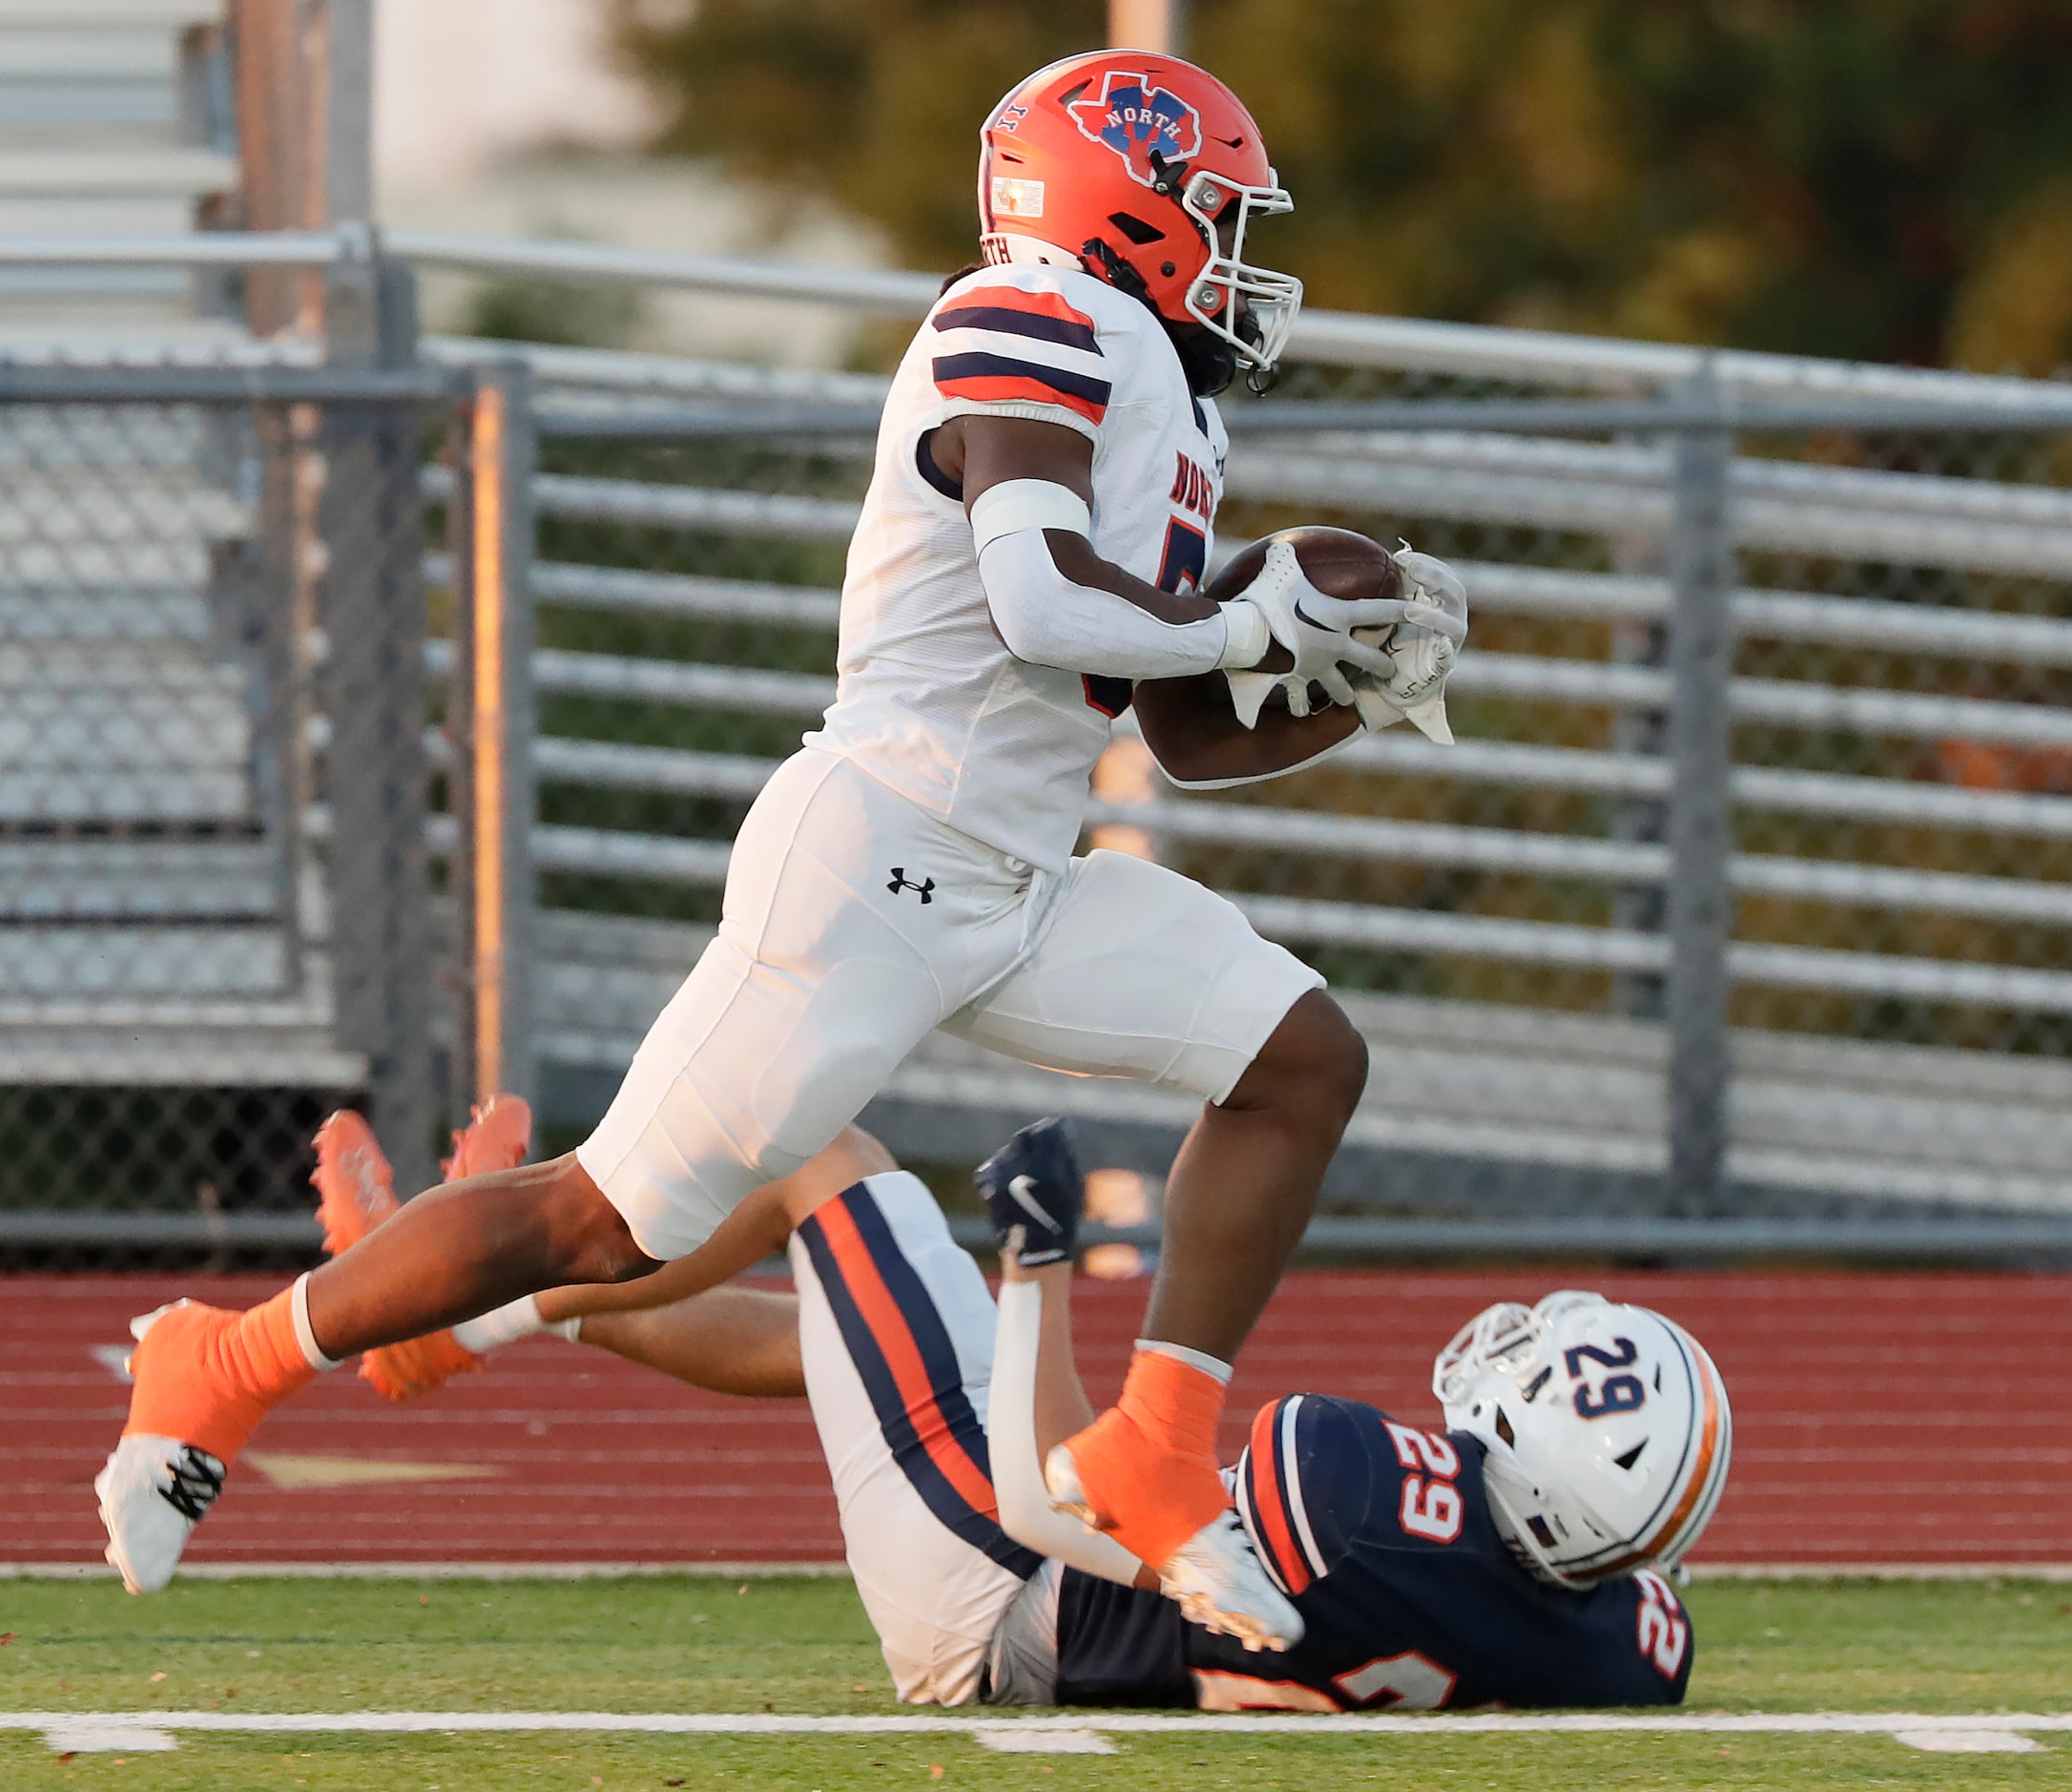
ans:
(1133, 118)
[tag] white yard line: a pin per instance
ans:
(1881, 1570)
(1078, 1723)
(765, 1571)
(441, 1571)
(1968, 1742)
(92, 1737)
(1003, 1740)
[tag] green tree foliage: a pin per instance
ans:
(576, 316)
(1883, 178)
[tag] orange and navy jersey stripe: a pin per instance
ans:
(1269, 1499)
(902, 1352)
(1044, 317)
(1013, 346)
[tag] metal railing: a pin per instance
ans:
(1737, 922)
(1706, 1149)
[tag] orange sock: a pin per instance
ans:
(208, 1377)
(1149, 1463)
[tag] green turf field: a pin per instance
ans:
(801, 1646)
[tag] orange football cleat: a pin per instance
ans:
(403, 1372)
(1144, 1471)
(357, 1191)
(496, 1138)
(355, 1186)
(204, 1380)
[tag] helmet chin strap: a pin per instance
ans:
(1516, 1534)
(1259, 379)
(1208, 362)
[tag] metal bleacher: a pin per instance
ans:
(155, 930)
(114, 121)
(159, 927)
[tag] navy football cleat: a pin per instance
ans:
(1032, 1185)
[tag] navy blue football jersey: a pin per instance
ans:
(1381, 1536)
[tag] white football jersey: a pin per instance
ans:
(930, 701)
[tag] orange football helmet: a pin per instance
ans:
(1127, 163)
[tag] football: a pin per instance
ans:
(1340, 562)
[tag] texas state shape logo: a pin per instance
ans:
(1133, 118)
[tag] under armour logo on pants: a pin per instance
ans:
(900, 881)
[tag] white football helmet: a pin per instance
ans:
(1606, 1430)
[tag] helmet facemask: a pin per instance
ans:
(1498, 1359)
(1251, 309)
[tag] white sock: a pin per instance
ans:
(506, 1324)
(299, 1310)
(1194, 1359)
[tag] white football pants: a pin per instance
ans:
(855, 922)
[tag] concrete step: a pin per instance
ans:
(108, 215)
(170, 173)
(119, 439)
(47, 506)
(167, 614)
(136, 792)
(90, 566)
(168, 1047)
(112, 16)
(76, 100)
(131, 1036)
(125, 673)
(235, 878)
(59, 961)
(130, 288)
(83, 337)
(119, 54)
(120, 733)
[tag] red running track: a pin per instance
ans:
(1878, 1419)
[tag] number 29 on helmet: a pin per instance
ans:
(1606, 1427)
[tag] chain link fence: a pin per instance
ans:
(212, 800)
(1735, 922)
(1816, 996)
(1761, 676)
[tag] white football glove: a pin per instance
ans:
(1421, 652)
(1315, 629)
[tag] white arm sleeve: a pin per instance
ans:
(1026, 1512)
(1052, 621)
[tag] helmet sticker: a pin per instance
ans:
(1017, 198)
(1136, 119)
